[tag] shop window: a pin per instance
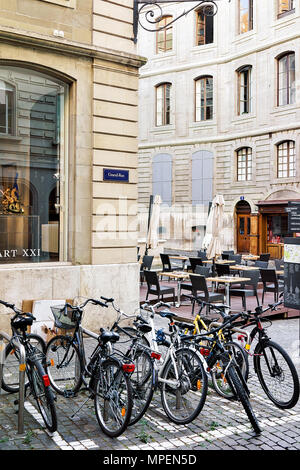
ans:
(163, 96)
(31, 167)
(245, 16)
(244, 90)
(285, 7)
(286, 159)
(7, 108)
(164, 35)
(162, 177)
(204, 28)
(244, 164)
(277, 228)
(286, 79)
(204, 98)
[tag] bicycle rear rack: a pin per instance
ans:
(22, 368)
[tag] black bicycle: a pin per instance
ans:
(272, 364)
(106, 377)
(37, 379)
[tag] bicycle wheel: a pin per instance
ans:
(218, 375)
(63, 365)
(113, 398)
(277, 374)
(126, 334)
(10, 380)
(143, 381)
(183, 398)
(43, 395)
(242, 396)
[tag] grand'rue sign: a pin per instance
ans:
(110, 174)
(293, 211)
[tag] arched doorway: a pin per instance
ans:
(243, 226)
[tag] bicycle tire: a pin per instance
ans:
(242, 396)
(269, 359)
(63, 365)
(11, 370)
(112, 398)
(190, 390)
(43, 396)
(143, 381)
(219, 380)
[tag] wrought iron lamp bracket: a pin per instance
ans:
(153, 17)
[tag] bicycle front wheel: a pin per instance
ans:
(63, 365)
(11, 365)
(242, 396)
(113, 398)
(218, 374)
(43, 396)
(143, 381)
(183, 386)
(277, 374)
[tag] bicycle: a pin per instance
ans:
(272, 364)
(181, 377)
(104, 376)
(218, 354)
(37, 380)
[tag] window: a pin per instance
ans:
(244, 90)
(245, 16)
(204, 98)
(285, 6)
(163, 92)
(286, 159)
(32, 165)
(286, 79)
(162, 177)
(164, 37)
(244, 164)
(204, 28)
(7, 105)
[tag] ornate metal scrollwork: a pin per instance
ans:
(152, 16)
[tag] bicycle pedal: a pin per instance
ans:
(69, 394)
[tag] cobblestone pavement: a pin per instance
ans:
(222, 424)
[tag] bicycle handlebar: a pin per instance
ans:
(16, 310)
(80, 307)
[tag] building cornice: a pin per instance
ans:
(67, 47)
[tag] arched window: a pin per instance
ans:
(7, 108)
(202, 177)
(245, 16)
(204, 28)
(286, 79)
(244, 89)
(286, 159)
(163, 95)
(244, 164)
(204, 98)
(164, 36)
(162, 177)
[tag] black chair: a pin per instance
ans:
(225, 254)
(199, 285)
(271, 283)
(146, 265)
(279, 266)
(195, 262)
(264, 257)
(236, 258)
(202, 255)
(166, 264)
(261, 264)
(222, 269)
(247, 288)
(202, 270)
(155, 288)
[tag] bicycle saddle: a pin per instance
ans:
(186, 326)
(168, 314)
(107, 336)
(21, 323)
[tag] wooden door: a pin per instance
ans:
(243, 233)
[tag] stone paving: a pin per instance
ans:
(222, 424)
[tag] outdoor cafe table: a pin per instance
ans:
(180, 258)
(227, 280)
(179, 276)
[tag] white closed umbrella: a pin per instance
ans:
(214, 247)
(152, 235)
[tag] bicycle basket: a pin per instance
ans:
(65, 317)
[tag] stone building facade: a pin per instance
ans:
(68, 110)
(233, 94)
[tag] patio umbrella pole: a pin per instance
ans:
(149, 218)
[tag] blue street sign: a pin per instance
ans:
(115, 175)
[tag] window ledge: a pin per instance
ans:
(285, 108)
(243, 118)
(62, 3)
(13, 138)
(286, 13)
(35, 265)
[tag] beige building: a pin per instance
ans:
(219, 114)
(68, 160)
